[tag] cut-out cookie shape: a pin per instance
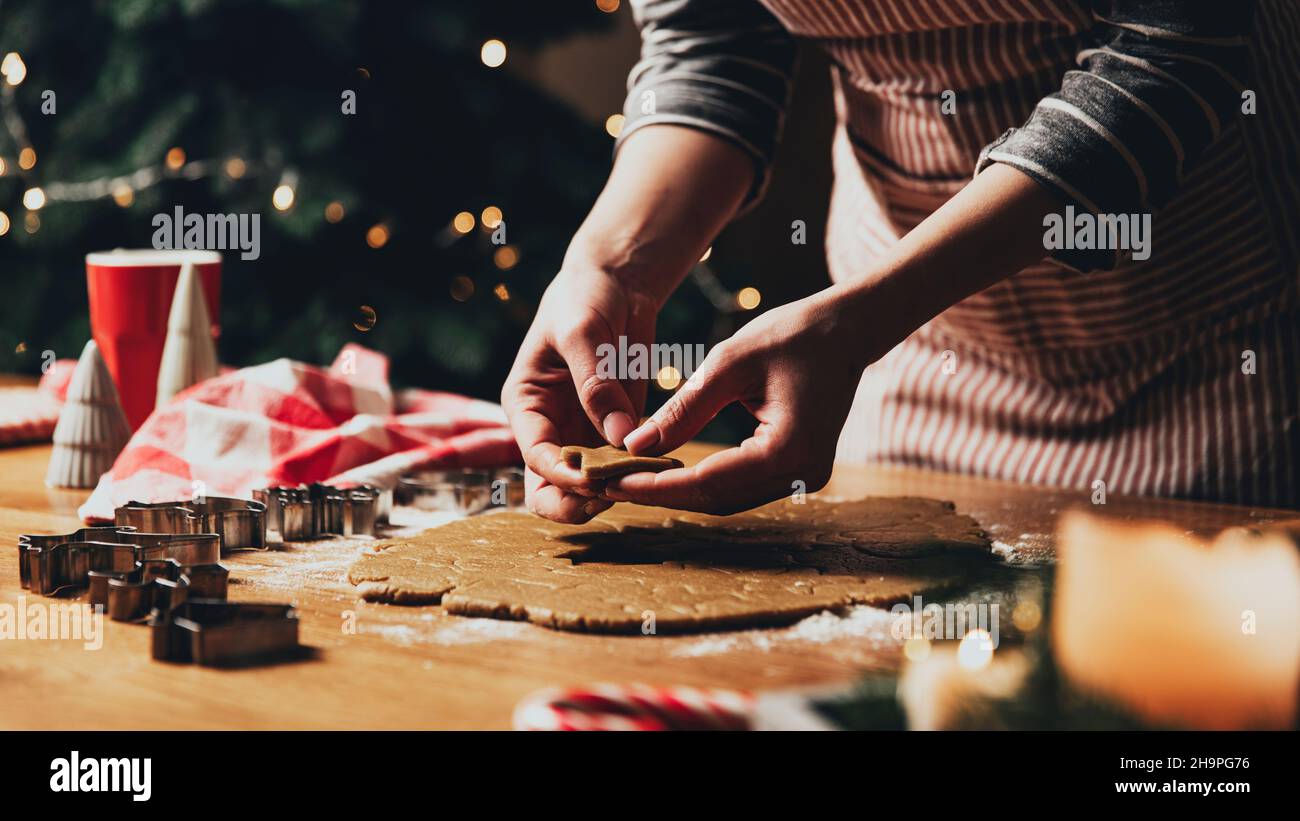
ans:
(607, 461)
(680, 572)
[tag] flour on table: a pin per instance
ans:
(863, 623)
(324, 562)
(456, 631)
(1025, 549)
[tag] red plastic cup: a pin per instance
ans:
(130, 299)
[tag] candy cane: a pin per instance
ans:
(634, 707)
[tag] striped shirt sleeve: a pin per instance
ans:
(722, 66)
(1163, 82)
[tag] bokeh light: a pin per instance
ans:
(1027, 615)
(748, 298)
(493, 53)
(505, 257)
(463, 222)
(282, 198)
(366, 318)
(13, 68)
(462, 288)
(975, 651)
(668, 378)
(917, 648)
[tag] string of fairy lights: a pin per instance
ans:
(123, 188)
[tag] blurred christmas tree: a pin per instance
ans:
(238, 107)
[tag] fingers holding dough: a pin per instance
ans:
(608, 461)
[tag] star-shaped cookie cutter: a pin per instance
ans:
(241, 523)
(50, 563)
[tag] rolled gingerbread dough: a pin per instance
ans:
(772, 565)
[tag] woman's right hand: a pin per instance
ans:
(555, 395)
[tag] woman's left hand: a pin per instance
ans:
(796, 369)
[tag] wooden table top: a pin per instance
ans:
(418, 668)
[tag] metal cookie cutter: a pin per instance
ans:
(308, 512)
(221, 633)
(50, 563)
(241, 523)
(508, 487)
(455, 491)
(26, 541)
(161, 583)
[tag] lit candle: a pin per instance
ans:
(1181, 632)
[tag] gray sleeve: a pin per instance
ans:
(722, 66)
(1162, 84)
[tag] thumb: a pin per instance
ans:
(706, 392)
(602, 396)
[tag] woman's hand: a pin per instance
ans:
(671, 191)
(796, 369)
(554, 395)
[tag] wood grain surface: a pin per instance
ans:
(388, 667)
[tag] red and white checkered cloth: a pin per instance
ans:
(286, 423)
(29, 414)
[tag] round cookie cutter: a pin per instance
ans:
(461, 491)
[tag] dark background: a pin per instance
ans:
(436, 132)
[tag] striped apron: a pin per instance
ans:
(1175, 376)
